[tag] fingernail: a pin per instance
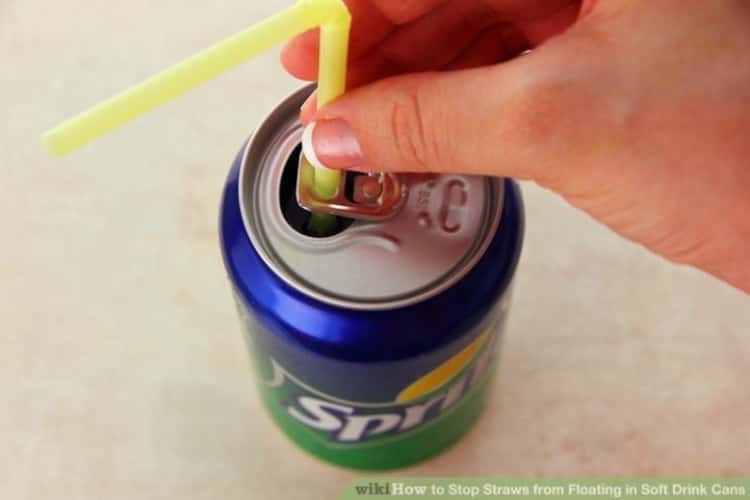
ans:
(334, 144)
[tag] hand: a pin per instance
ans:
(635, 111)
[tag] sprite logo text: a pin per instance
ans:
(425, 400)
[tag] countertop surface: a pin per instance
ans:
(123, 371)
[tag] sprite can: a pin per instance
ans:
(374, 346)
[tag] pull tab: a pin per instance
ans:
(374, 197)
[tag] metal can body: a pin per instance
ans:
(364, 383)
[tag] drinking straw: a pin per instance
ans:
(334, 47)
(334, 20)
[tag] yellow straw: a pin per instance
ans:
(331, 15)
(334, 47)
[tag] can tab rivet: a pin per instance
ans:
(374, 197)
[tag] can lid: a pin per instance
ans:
(444, 227)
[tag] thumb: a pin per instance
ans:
(514, 119)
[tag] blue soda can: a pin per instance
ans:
(374, 346)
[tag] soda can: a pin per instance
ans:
(374, 347)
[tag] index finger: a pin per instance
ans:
(405, 11)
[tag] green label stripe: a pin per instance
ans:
(426, 488)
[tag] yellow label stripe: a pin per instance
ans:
(443, 373)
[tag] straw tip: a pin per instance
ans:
(54, 147)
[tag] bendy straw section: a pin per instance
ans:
(332, 16)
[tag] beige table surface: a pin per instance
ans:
(123, 372)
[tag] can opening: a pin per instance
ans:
(297, 217)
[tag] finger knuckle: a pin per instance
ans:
(408, 125)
